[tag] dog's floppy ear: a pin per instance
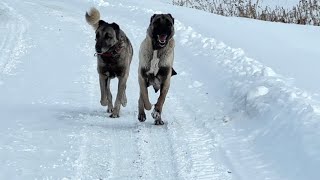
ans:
(101, 22)
(171, 17)
(154, 15)
(116, 28)
(173, 72)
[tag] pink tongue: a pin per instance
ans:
(163, 37)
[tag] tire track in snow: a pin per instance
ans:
(94, 147)
(195, 146)
(14, 45)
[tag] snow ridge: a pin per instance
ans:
(13, 44)
(258, 92)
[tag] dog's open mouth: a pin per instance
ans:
(162, 39)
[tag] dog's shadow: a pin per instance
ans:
(100, 118)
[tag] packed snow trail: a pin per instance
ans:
(53, 126)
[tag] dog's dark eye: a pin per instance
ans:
(168, 23)
(107, 36)
(157, 22)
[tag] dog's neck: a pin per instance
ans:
(113, 51)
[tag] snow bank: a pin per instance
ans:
(282, 117)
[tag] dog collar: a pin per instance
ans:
(115, 50)
(106, 54)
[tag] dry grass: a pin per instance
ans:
(307, 12)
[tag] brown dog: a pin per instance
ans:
(114, 53)
(155, 64)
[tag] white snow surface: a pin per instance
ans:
(228, 114)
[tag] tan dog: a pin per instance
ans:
(155, 64)
(114, 53)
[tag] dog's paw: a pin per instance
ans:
(158, 122)
(148, 106)
(156, 114)
(109, 110)
(104, 102)
(142, 117)
(114, 115)
(124, 101)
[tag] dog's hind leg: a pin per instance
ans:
(156, 114)
(109, 96)
(124, 99)
(102, 81)
(121, 89)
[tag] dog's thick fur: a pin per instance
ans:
(114, 53)
(155, 64)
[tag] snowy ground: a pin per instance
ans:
(228, 114)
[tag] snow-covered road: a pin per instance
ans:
(224, 115)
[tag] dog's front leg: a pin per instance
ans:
(121, 89)
(156, 114)
(142, 115)
(144, 93)
(144, 102)
(124, 99)
(103, 99)
(109, 96)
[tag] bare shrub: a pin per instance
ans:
(305, 12)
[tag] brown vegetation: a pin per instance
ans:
(305, 12)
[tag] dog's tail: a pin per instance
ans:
(93, 18)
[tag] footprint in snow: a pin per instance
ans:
(257, 92)
(195, 84)
(183, 73)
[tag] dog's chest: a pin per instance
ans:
(111, 68)
(154, 73)
(154, 64)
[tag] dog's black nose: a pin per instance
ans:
(98, 49)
